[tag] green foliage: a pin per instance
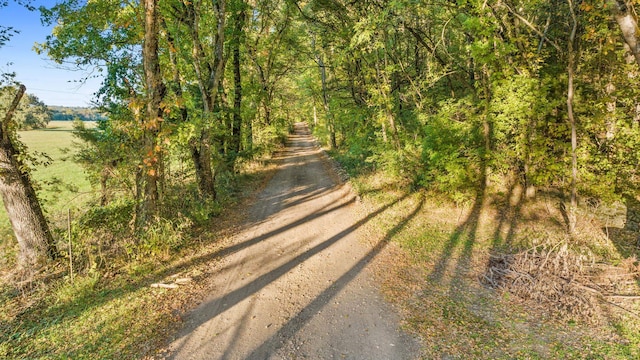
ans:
(105, 151)
(64, 113)
(356, 158)
(161, 238)
(185, 204)
(104, 237)
(31, 112)
(452, 150)
(406, 63)
(269, 138)
(439, 95)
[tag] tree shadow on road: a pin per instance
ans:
(216, 306)
(296, 323)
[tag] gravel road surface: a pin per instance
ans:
(296, 284)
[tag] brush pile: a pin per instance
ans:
(569, 284)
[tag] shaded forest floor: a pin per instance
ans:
(437, 268)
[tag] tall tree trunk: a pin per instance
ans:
(151, 124)
(315, 115)
(325, 101)
(209, 74)
(248, 136)
(325, 98)
(325, 95)
(264, 99)
(385, 88)
(224, 113)
(394, 129)
(236, 127)
(391, 102)
(571, 214)
(24, 211)
(200, 146)
(267, 110)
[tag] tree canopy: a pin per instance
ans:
(446, 94)
(450, 96)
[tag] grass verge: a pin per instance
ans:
(438, 255)
(115, 312)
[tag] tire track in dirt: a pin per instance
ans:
(299, 286)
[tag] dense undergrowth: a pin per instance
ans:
(558, 296)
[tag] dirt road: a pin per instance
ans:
(296, 285)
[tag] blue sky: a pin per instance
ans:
(52, 85)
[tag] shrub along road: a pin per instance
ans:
(296, 284)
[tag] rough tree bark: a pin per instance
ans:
(24, 211)
(628, 26)
(153, 118)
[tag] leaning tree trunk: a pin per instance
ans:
(24, 211)
(625, 17)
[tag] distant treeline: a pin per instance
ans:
(59, 113)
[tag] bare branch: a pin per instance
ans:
(532, 27)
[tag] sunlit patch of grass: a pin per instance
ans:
(99, 315)
(87, 319)
(436, 270)
(62, 181)
(109, 310)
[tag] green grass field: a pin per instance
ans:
(61, 185)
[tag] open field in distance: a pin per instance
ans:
(62, 184)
